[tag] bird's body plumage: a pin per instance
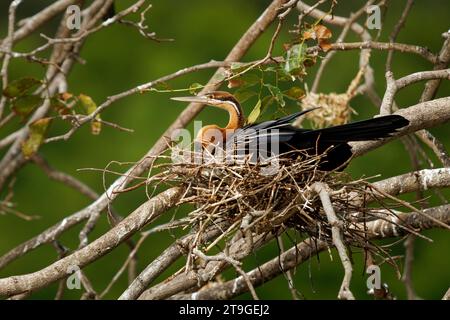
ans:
(330, 142)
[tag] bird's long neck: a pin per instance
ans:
(236, 119)
(209, 134)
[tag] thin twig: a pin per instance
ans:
(7, 46)
(407, 272)
(396, 31)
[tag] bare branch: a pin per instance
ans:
(394, 85)
(407, 272)
(146, 213)
(185, 281)
(418, 180)
(326, 207)
(161, 263)
(338, 241)
(64, 178)
(437, 146)
(447, 295)
(421, 116)
(31, 24)
(340, 39)
(401, 47)
(308, 248)
(442, 63)
(396, 31)
(236, 264)
(7, 45)
(121, 183)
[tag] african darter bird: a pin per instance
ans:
(330, 142)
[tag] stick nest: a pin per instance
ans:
(249, 200)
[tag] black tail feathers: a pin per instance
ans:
(371, 129)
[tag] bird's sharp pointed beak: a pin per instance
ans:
(198, 99)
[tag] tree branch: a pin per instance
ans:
(338, 241)
(308, 248)
(146, 213)
(421, 116)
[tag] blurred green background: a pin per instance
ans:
(118, 58)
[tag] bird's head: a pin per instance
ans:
(222, 100)
(219, 99)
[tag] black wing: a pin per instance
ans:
(277, 123)
(280, 127)
(332, 140)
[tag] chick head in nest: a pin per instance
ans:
(333, 109)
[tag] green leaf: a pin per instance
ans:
(266, 102)
(20, 87)
(250, 79)
(295, 57)
(283, 75)
(23, 106)
(270, 69)
(243, 95)
(277, 94)
(255, 113)
(90, 106)
(194, 88)
(245, 80)
(295, 93)
(38, 130)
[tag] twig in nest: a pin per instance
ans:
(254, 203)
